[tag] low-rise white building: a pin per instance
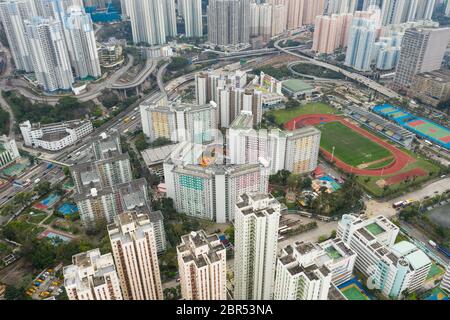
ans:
(92, 276)
(392, 268)
(8, 151)
(365, 236)
(54, 136)
(445, 284)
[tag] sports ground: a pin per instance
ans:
(422, 127)
(353, 149)
(353, 290)
(354, 146)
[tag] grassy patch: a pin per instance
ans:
(285, 115)
(350, 147)
(370, 183)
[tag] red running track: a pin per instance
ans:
(401, 159)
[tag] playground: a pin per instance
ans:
(47, 202)
(353, 290)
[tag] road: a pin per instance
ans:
(94, 89)
(357, 77)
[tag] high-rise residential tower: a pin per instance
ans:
(152, 21)
(51, 62)
(256, 224)
(202, 266)
(13, 13)
(134, 249)
(228, 22)
(331, 32)
(422, 50)
(80, 33)
(360, 43)
(192, 18)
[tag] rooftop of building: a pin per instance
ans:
(157, 155)
(199, 239)
(242, 121)
(296, 85)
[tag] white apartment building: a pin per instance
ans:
(152, 21)
(202, 266)
(391, 268)
(401, 267)
(256, 224)
(296, 151)
(338, 258)
(13, 13)
(49, 53)
(8, 151)
(192, 15)
(179, 122)
(134, 249)
(445, 284)
(207, 83)
(107, 168)
(365, 236)
(54, 136)
(98, 203)
(83, 46)
(298, 277)
(92, 276)
(211, 192)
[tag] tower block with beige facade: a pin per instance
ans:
(202, 265)
(134, 249)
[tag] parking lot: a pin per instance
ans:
(47, 285)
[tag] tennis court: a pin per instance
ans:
(422, 127)
(47, 202)
(353, 290)
(68, 209)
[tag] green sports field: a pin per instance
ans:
(285, 115)
(352, 292)
(350, 147)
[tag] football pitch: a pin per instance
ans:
(349, 146)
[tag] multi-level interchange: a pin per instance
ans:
(272, 149)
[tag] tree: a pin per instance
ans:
(15, 293)
(23, 198)
(141, 142)
(178, 63)
(307, 183)
(230, 234)
(40, 252)
(293, 181)
(292, 103)
(42, 188)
